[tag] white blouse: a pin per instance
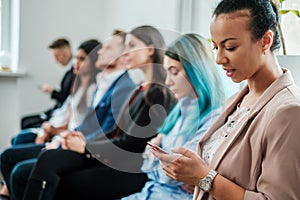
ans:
(211, 145)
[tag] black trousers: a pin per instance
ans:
(16, 164)
(100, 183)
(63, 174)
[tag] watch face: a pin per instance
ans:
(205, 185)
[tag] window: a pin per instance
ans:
(291, 27)
(0, 22)
(4, 24)
(9, 34)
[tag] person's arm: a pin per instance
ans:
(103, 121)
(105, 117)
(64, 127)
(66, 85)
(135, 129)
(109, 142)
(44, 133)
(280, 170)
(190, 142)
(186, 166)
(280, 177)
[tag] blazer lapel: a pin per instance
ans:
(282, 82)
(231, 104)
(110, 90)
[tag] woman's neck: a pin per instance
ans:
(84, 78)
(148, 72)
(262, 79)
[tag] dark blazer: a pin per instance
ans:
(36, 120)
(65, 88)
(102, 118)
(138, 123)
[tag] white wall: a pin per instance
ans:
(9, 107)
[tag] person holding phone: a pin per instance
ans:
(107, 165)
(192, 76)
(114, 83)
(252, 150)
(73, 110)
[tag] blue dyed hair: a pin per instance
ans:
(196, 57)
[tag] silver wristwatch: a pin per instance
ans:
(205, 183)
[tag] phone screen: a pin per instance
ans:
(156, 148)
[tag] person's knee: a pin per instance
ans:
(19, 177)
(25, 136)
(20, 173)
(6, 155)
(47, 158)
(49, 154)
(55, 161)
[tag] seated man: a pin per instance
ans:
(115, 85)
(77, 102)
(119, 151)
(61, 50)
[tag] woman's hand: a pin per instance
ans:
(47, 126)
(53, 145)
(184, 165)
(75, 141)
(156, 140)
(42, 137)
(63, 136)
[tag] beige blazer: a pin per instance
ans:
(262, 155)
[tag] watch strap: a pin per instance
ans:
(206, 183)
(212, 174)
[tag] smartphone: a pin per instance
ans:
(156, 148)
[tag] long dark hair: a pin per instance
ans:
(151, 36)
(90, 47)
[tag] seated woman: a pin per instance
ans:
(252, 150)
(138, 122)
(193, 77)
(72, 111)
(75, 106)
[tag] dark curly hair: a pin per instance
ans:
(263, 16)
